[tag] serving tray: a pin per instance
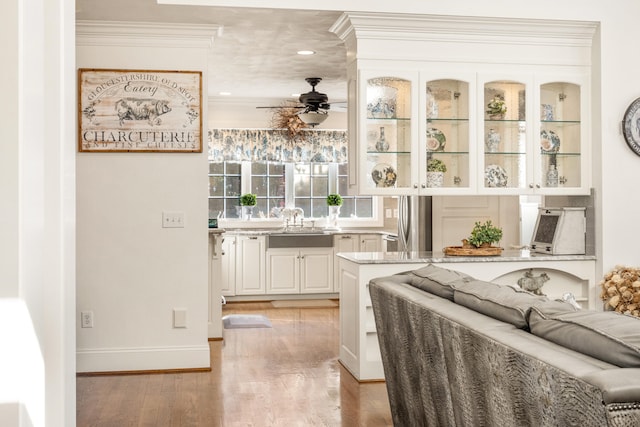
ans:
(462, 251)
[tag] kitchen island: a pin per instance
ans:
(359, 350)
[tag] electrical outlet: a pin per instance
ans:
(387, 213)
(395, 213)
(173, 219)
(86, 319)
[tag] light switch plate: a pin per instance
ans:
(172, 219)
(179, 317)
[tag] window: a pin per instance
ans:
(304, 185)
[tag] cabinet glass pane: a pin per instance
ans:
(560, 135)
(505, 139)
(448, 130)
(388, 132)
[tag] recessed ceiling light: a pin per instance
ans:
(306, 52)
(224, 93)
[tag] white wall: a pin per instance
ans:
(132, 273)
(37, 258)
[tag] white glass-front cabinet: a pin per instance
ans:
(388, 132)
(438, 133)
(412, 121)
(533, 135)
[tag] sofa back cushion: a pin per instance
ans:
(437, 280)
(501, 302)
(605, 335)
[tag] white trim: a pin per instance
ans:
(142, 358)
(116, 33)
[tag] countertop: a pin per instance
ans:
(317, 230)
(439, 257)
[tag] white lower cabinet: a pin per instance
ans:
(250, 265)
(300, 271)
(228, 266)
(354, 243)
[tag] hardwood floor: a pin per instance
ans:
(288, 375)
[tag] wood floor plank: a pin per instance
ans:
(287, 375)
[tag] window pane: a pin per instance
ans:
(320, 186)
(343, 185)
(258, 168)
(276, 187)
(232, 168)
(305, 204)
(259, 185)
(233, 186)
(216, 185)
(302, 186)
(320, 208)
(215, 207)
(364, 207)
(348, 207)
(216, 168)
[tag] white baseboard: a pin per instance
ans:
(142, 359)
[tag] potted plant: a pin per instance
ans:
(334, 201)
(483, 235)
(496, 108)
(248, 201)
(435, 172)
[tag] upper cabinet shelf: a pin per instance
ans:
(468, 106)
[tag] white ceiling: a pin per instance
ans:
(255, 56)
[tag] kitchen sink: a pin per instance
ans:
(299, 239)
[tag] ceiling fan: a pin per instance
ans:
(315, 105)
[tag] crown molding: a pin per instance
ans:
(379, 26)
(145, 34)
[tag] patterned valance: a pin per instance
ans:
(325, 146)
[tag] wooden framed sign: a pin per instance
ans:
(139, 111)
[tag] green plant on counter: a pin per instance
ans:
(248, 199)
(334, 200)
(486, 234)
(436, 165)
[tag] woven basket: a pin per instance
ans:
(461, 251)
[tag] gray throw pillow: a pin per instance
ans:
(501, 302)
(437, 280)
(605, 335)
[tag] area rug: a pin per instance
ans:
(306, 303)
(239, 321)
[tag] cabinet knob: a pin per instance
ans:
(415, 185)
(424, 185)
(537, 185)
(530, 185)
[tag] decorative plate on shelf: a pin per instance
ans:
(495, 176)
(549, 141)
(435, 140)
(384, 175)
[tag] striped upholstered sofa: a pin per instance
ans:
(460, 352)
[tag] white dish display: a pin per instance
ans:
(435, 140)
(495, 176)
(384, 175)
(549, 141)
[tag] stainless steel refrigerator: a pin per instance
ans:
(414, 223)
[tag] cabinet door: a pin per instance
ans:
(228, 266)
(449, 128)
(370, 243)
(506, 160)
(283, 271)
(250, 265)
(316, 271)
(562, 165)
(387, 132)
(343, 243)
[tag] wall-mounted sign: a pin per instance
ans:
(631, 126)
(139, 111)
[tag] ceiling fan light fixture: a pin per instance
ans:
(313, 118)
